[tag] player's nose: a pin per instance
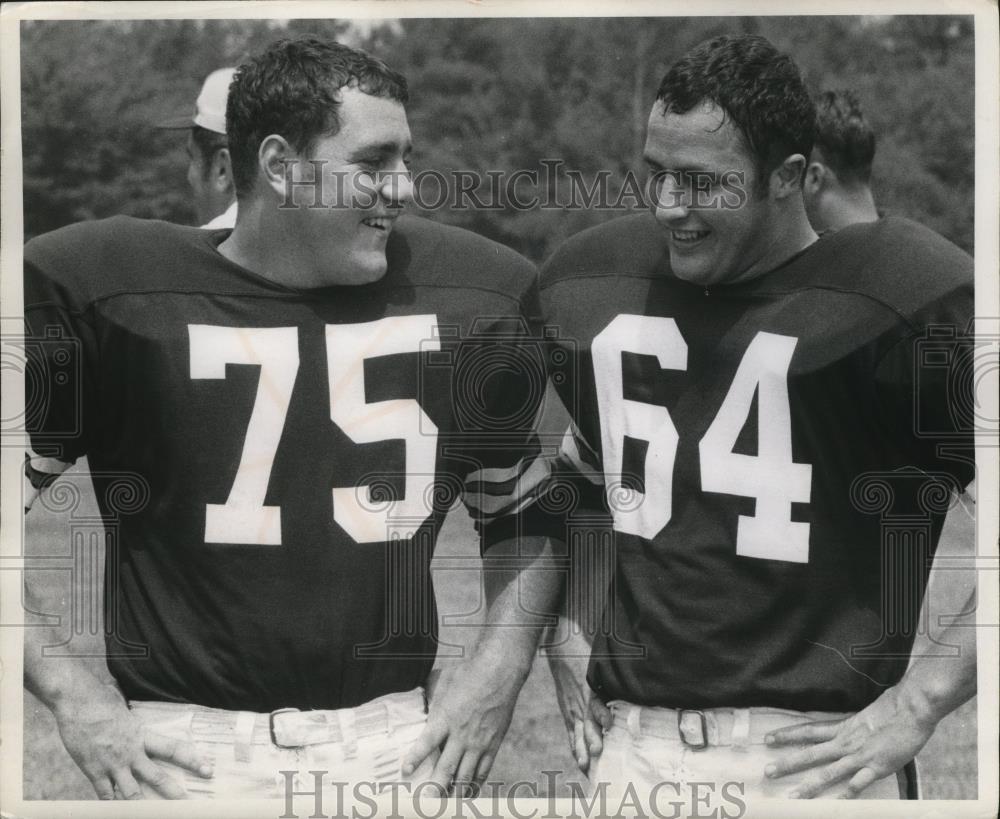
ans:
(397, 185)
(672, 202)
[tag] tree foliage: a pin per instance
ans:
(496, 95)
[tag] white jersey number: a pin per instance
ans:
(347, 346)
(244, 518)
(770, 476)
(637, 513)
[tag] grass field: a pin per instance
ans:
(536, 739)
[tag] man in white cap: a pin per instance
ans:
(210, 172)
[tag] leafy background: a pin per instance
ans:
(487, 94)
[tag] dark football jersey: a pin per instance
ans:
(776, 455)
(273, 465)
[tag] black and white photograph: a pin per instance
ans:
(495, 409)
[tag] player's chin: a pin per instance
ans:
(369, 266)
(693, 269)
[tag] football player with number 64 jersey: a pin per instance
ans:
(776, 424)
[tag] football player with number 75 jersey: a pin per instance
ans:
(776, 453)
(291, 408)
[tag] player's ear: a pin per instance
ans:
(815, 174)
(222, 171)
(786, 179)
(275, 161)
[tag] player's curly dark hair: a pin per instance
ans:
(844, 136)
(293, 89)
(758, 87)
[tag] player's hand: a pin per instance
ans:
(585, 716)
(467, 719)
(115, 751)
(872, 744)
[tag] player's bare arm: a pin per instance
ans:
(473, 702)
(567, 648)
(95, 724)
(882, 738)
(879, 740)
(568, 642)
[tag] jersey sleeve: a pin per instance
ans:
(555, 490)
(60, 350)
(570, 489)
(926, 388)
(499, 389)
(558, 497)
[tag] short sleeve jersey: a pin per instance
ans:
(275, 464)
(777, 457)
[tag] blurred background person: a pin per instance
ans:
(838, 180)
(210, 172)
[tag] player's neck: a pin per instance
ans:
(790, 235)
(261, 244)
(849, 207)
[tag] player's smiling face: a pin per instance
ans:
(366, 184)
(711, 241)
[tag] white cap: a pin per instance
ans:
(210, 107)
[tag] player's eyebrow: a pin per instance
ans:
(686, 167)
(679, 170)
(384, 149)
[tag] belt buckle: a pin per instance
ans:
(686, 725)
(270, 726)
